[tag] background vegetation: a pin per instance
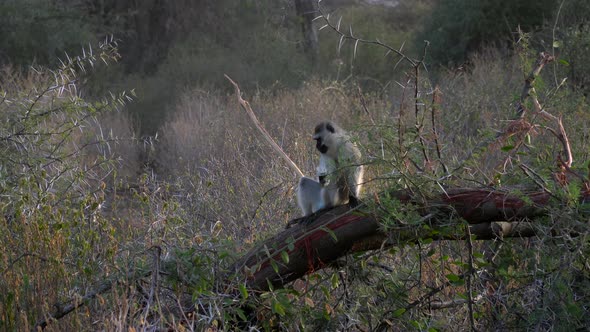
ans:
(131, 154)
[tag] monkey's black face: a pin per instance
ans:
(320, 145)
(319, 129)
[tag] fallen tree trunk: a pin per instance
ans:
(316, 241)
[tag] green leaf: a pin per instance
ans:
(329, 231)
(243, 291)
(507, 148)
(241, 314)
(285, 257)
(453, 277)
(291, 243)
(334, 280)
(399, 312)
(278, 308)
(426, 241)
(564, 62)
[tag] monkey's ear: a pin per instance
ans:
(330, 128)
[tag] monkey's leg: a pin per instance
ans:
(309, 196)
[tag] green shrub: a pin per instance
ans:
(56, 162)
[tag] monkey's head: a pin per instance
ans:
(325, 135)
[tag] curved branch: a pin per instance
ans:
(246, 106)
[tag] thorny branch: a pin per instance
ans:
(350, 36)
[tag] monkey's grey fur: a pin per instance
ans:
(340, 172)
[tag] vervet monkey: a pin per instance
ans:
(339, 171)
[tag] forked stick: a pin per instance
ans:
(529, 91)
(246, 106)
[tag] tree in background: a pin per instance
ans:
(37, 31)
(457, 28)
(572, 36)
(307, 11)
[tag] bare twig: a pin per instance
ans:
(560, 133)
(553, 39)
(434, 305)
(519, 124)
(154, 286)
(417, 111)
(400, 128)
(246, 106)
(434, 110)
(468, 277)
(364, 104)
(539, 181)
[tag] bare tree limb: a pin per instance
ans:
(61, 310)
(246, 106)
(529, 91)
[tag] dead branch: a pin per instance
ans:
(419, 124)
(63, 309)
(246, 106)
(529, 91)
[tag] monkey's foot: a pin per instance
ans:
(353, 201)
